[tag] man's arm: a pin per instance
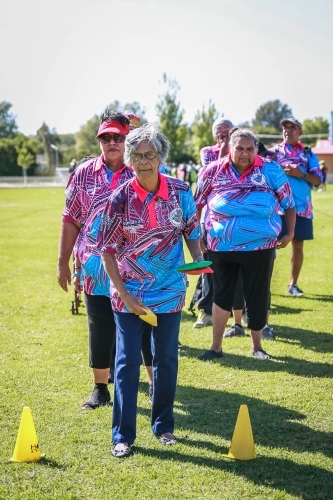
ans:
(68, 234)
(293, 170)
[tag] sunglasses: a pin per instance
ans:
(106, 138)
(150, 155)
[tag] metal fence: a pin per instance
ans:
(59, 180)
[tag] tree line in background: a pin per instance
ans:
(18, 151)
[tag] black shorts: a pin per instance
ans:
(102, 330)
(256, 270)
(303, 228)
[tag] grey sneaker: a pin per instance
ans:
(295, 291)
(210, 355)
(261, 354)
(267, 333)
(203, 320)
(234, 331)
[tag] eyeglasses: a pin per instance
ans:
(150, 155)
(106, 138)
(289, 127)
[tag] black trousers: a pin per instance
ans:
(256, 271)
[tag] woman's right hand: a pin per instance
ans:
(133, 304)
(77, 284)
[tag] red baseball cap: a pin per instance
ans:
(111, 126)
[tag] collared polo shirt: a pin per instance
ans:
(87, 192)
(242, 210)
(146, 232)
(307, 163)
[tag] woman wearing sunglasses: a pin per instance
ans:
(140, 238)
(86, 195)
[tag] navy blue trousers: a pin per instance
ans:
(127, 372)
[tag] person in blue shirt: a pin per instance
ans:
(243, 194)
(303, 171)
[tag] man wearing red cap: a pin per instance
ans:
(86, 194)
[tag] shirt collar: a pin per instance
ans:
(298, 145)
(162, 191)
(100, 163)
(216, 148)
(257, 163)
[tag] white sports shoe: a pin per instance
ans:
(295, 291)
(261, 354)
(203, 320)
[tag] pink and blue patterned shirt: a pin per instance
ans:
(209, 154)
(145, 232)
(307, 163)
(87, 193)
(242, 210)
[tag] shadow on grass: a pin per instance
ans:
(278, 309)
(312, 296)
(320, 342)
(208, 411)
(303, 481)
(214, 413)
(287, 364)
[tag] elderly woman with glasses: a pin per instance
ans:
(243, 193)
(141, 240)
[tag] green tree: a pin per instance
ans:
(10, 149)
(317, 125)
(171, 117)
(48, 137)
(66, 149)
(25, 159)
(270, 131)
(271, 113)
(8, 126)
(86, 144)
(202, 129)
(133, 107)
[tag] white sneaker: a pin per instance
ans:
(203, 320)
(295, 291)
(261, 354)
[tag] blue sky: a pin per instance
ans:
(63, 61)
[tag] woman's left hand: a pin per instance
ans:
(203, 247)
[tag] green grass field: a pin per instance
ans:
(44, 366)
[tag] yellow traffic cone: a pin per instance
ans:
(26, 447)
(242, 443)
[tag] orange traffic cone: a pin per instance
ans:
(26, 447)
(242, 443)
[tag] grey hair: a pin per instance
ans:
(148, 132)
(220, 121)
(238, 133)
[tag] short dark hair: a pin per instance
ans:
(110, 114)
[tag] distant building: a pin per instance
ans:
(324, 151)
